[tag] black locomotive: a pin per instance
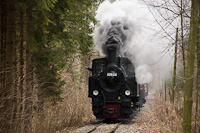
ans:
(112, 86)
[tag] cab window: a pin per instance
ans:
(98, 65)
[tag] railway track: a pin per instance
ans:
(99, 128)
(104, 127)
(115, 128)
(94, 128)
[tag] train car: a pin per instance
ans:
(142, 94)
(146, 90)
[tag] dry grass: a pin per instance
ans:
(169, 117)
(74, 111)
(165, 117)
(160, 117)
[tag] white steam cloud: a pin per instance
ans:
(137, 24)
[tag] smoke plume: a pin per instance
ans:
(131, 18)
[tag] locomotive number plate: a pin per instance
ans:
(111, 74)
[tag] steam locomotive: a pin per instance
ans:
(112, 86)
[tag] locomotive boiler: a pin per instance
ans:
(113, 86)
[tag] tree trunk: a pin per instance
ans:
(174, 71)
(10, 64)
(18, 79)
(20, 65)
(29, 91)
(198, 70)
(196, 128)
(85, 62)
(29, 76)
(24, 88)
(3, 60)
(182, 41)
(187, 107)
(23, 73)
(165, 91)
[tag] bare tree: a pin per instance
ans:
(189, 75)
(174, 70)
(174, 14)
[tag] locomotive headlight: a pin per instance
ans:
(95, 92)
(127, 92)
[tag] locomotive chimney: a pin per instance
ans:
(111, 56)
(112, 48)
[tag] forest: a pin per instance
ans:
(46, 44)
